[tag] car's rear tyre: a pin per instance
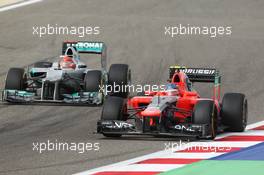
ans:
(15, 79)
(119, 74)
(43, 64)
(205, 113)
(93, 81)
(234, 112)
(113, 109)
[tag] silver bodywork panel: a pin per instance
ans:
(53, 76)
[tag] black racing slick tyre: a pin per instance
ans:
(234, 112)
(119, 75)
(15, 79)
(205, 113)
(113, 109)
(42, 64)
(93, 81)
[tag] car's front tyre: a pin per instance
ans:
(205, 113)
(113, 109)
(15, 79)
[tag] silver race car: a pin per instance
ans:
(68, 80)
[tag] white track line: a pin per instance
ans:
(191, 155)
(248, 130)
(126, 162)
(254, 125)
(170, 153)
(246, 133)
(24, 3)
(224, 144)
(146, 167)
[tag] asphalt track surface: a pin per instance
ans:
(134, 34)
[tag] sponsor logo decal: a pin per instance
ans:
(184, 128)
(86, 45)
(199, 71)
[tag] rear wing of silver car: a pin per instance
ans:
(203, 75)
(87, 47)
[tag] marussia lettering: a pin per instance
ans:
(199, 71)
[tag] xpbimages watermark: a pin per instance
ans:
(196, 147)
(80, 31)
(210, 31)
(116, 88)
(80, 147)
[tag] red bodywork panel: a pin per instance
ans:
(186, 99)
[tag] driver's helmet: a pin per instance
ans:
(171, 89)
(171, 86)
(67, 63)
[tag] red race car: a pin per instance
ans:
(177, 110)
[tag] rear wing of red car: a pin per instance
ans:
(204, 75)
(88, 47)
(196, 74)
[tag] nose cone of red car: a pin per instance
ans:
(151, 112)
